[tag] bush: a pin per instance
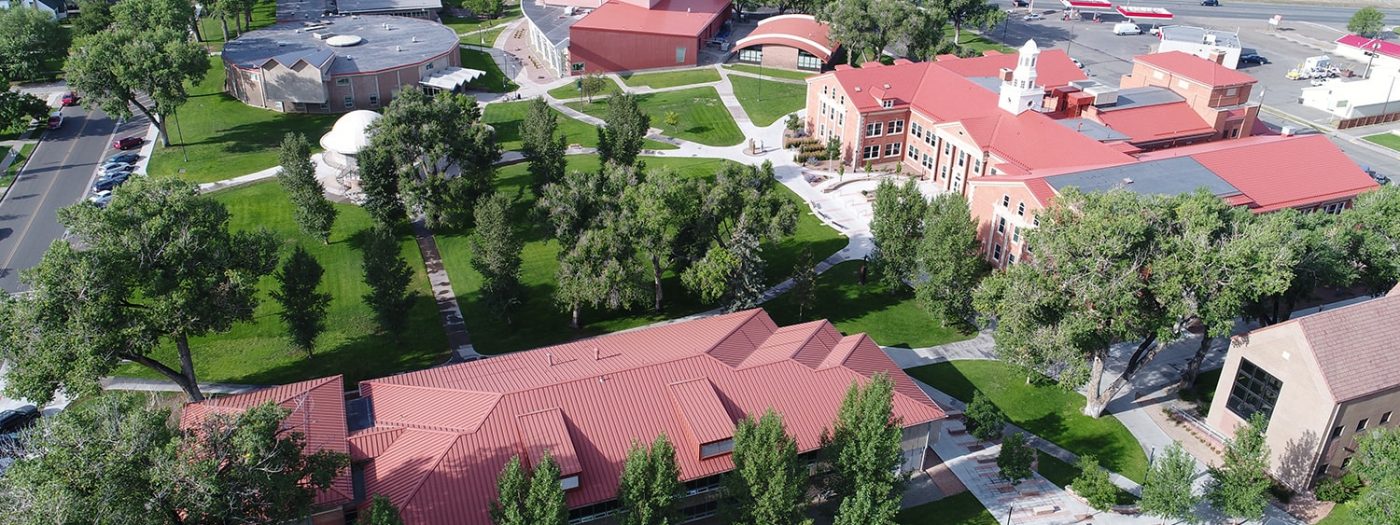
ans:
(984, 420)
(1093, 484)
(1339, 490)
(1014, 460)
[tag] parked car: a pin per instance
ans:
(127, 157)
(1253, 58)
(1077, 63)
(55, 120)
(1126, 28)
(108, 182)
(101, 199)
(1032, 16)
(126, 143)
(1380, 179)
(1020, 3)
(110, 162)
(1210, 3)
(18, 419)
(107, 171)
(70, 99)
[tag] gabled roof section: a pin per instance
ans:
(1053, 68)
(371, 442)
(667, 17)
(545, 432)
(1355, 346)
(807, 343)
(898, 82)
(319, 58)
(421, 407)
(1145, 124)
(699, 408)
(1195, 68)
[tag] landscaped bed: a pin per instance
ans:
(960, 509)
(1062, 475)
(540, 321)
(665, 79)
(226, 138)
(769, 72)
(507, 117)
(1043, 409)
(766, 101)
(703, 117)
(890, 319)
(257, 352)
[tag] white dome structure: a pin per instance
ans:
(347, 137)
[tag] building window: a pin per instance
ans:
(1010, 259)
(702, 485)
(1001, 224)
(947, 148)
(342, 81)
(593, 512)
(1015, 234)
(374, 101)
(1035, 222)
(896, 127)
(700, 511)
(916, 130)
(1385, 418)
(870, 152)
(577, 66)
(723, 446)
(680, 55)
(1361, 425)
(1337, 432)
(1334, 208)
(943, 173)
(349, 102)
(1021, 209)
(927, 162)
(892, 149)
(874, 129)
(962, 159)
(977, 166)
(1005, 200)
(1232, 91)
(807, 60)
(913, 153)
(996, 252)
(569, 483)
(887, 104)
(754, 55)
(1255, 391)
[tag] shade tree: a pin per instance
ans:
(948, 261)
(650, 487)
(897, 226)
(495, 255)
(1239, 486)
(312, 212)
(863, 448)
(303, 307)
(768, 485)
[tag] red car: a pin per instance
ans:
(128, 143)
(70, 99)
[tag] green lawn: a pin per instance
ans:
(770, 72)
(507, 117)
(226, 138)
(960, 509)
(667, 79)
(485, 38)
(264, 14)
(1342, 514)
(467, 25)
(495, 80)
(541, 322)
(568, 91)
(767, 101)
(977, 42)
(1045, 410)
(257, 352)
(703, 118)
(8, 177)
(1062, 474)
(890, 319)
(1389, 140)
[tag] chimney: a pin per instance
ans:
(1005, 74)
(595, 353)
(550, 357)
(1216, 56)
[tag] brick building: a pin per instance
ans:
(575, 37)
(797, 42)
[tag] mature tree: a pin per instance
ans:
(303, 308)
(660, 206)
(496, 256)
(740, 211)
(949, 263)
(513, 488)
(924, 36)
(592, 84)
(92, 460)
(768, 485)
(245, 468)
(733, 273)
(897, 227)
(865, 507)
(1015, 458)
(1326, 251)
(1239, 487)
(1367, 21)
(1085, 289)
(388, 276)
(598, 261)
(313, 213)
(849, 23)
(985, 420)
(1166, 493)
(650, 485)
(1377, 460)
(160, 265)
(145, 15)
(379, 181)
(1374, 219)
(18, 109)
(863, 447)
(624, 130)
(804, 283)
(542, 144)
(381, 511)
(444, 154)
(96, 15)
(964, 13)
(544, 501)
(29, 39)
(1094, 485)
(483, 8)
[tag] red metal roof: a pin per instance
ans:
(859, 83)
(667, 17)
(800, 31)
(1032, 140)
(1156, 122)
(1384, 47)
(544, 432)
(1154, 13)
(1196, 68)
(609, 392)
(317, 412)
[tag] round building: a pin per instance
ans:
(342, 63)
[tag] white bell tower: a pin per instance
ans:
(1019, 91)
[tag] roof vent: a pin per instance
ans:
(550, 357)
(887, 86)
(415, 39)
(857, 89)
(398, 48)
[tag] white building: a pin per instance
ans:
(58, 9)
(1377, 95)
(1221, 47)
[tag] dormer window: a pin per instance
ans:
(717, 448)
(887, 103)
(569, 482)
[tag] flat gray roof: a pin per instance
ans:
(1197, 35)
(1173, 176)
(550, 19)
(383, 6)
(387, 42)
(1143, 96)
(992, 84)
(1092, 129)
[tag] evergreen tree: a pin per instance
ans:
(1015, 458)
(542, 144)
(768, 485)
(1166, 493)
(897, 227)
(949, 261)
(650, 484)
(1094, 485)
(513, 488)
(312, 212)
(865, 507)
(388, 277)
(1239, 487)
(496, 256)
(380, 512)
(379, 180)
(303, 308)
(625, 127)
(804, 283)
(985, 420)
(544, 501)
(863, 447)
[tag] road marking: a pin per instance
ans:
(1323, 26)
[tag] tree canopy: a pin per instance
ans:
(1367, 21)
(650, 486)
(768, 485)
(1166, 493)
(30, 39)
(1239, 487)
(864, 451)
(897, 226)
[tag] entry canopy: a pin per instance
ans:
(1088, 5)
(451, 78)
(1151, 13)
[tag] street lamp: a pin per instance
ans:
(1375, 46)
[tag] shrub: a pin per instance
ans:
(1093, 484)
(1015, 458)
(1339, 490)
(984, 420)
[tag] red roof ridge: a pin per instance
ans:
(843, 350)
(386, 384)
(409, 496)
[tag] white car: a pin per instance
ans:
(1126, 28)
(101, 198)
(1077, 63)
(1032, 16)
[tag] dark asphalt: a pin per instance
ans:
(59, 173)
(1248, 12)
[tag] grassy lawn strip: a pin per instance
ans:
(1062, 474)
(703, 118)
(960, 509)
(226, 138)
(978, 42)
(890, 319)
(539, 320)
(8, 177)
(507, 117)
(1043, 409)
(667, 79)
(485, 38)
(1342, 514)
(568, 91)
(495, 80)
(769, 72)
(257, 352)
(467, 25)
(766, 101)
(264, 14)
(1389, 140)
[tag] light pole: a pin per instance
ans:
(183, 152)
(1375, 46)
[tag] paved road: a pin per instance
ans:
(1234, 9)
(58, 174)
